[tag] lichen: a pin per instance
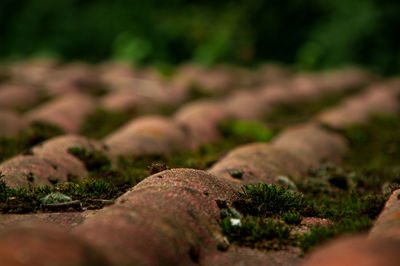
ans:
(55, 197)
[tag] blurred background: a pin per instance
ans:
(309, 34)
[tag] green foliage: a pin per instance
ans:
(312, 33)
(246, 130)
(337, 41)
(131, 49)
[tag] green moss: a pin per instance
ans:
(197, 93)
(292, 217)
(264, 200)
(320, 234)
(128, 171)
(246, 130)
(348, 209)
(131, 170)
(29, 199)
(94, 160)
(37, 132)
(257, 232)
(375, 152)
(42, 98)
(207, 154)
(40, 131)
(288, 114)
(238, 174)
(102, 123)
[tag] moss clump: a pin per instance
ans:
(155, 168)
(94, 160)
(55, 197)
(292, 217)
(246, 130)
(238, 174)
(29, 199)
(257, 232)
(131, 170)
(102, 123)
(335, 193)
(264, 200)
(263, 210)
(38, 132)
(349, 211)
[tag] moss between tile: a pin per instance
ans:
(106, 182)
(288, 114)
(351, 196)
(38, 132)
(103, 122)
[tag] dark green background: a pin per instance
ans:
(311, 34)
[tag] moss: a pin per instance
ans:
(197, 93)
(320, 234)
(40, 131)
(133, 169)
(257, 232)
(288, 114)
(128, 171)
(350, 210)
(206, 155)
(350, 196)
(102, 123)
(94, 160)
(264, 200)
(43, 98)
(29, 199)
(246, 130)
(292, 217)
(238, 174)
(30, 177)
(37, 132)
(375, 152)
(155, 168)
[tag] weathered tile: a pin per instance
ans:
(356, 251)
(147, 135)
(11, 123)
(68, 111)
